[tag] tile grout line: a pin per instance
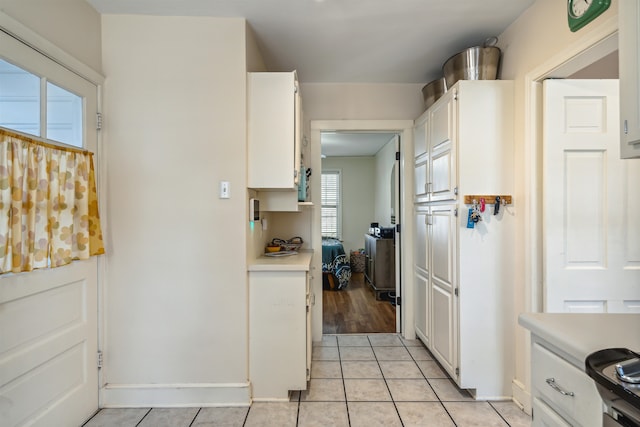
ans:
(384, 378)
(196, 416)
(344, 386)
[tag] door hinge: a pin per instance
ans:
(98, 121)
(455, 212)
(455, 190)
(100, 359)
(455, 291)
(397, 228)
(457, 371)
(455, 95)
(398, 300)
(397, 155)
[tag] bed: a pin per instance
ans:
(335, 265)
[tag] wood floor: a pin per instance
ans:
(354, 310)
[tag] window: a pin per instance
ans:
(331, 209)
(21, 106)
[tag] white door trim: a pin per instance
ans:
(405, 129)
(594, 45)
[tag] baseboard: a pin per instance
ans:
(521, 396)
(174, 395)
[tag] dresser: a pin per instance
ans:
(380, 264)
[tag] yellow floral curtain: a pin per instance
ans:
(48, 205)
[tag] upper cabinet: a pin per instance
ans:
(629, 54)
(274, 131)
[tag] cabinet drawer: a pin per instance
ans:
(544, 416)
(565, 388)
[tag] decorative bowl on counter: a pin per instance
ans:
(293, 244)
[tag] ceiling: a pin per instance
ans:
(350, 41)
(349, 144)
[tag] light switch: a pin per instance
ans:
(225, 190)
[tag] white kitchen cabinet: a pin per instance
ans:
(274, 131)
(421, 172)
(421, 273)
(629, 55)
(279, 327)
(465, 276)
(564, 393)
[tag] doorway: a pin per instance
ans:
(404, 131)
(359, 192)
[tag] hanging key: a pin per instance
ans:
(496, 207)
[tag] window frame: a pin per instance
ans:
(338, 206)
(32, 60)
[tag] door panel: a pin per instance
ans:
(441, 154)
(444, 336)
(591, 238)
(48, 348)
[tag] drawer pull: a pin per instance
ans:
(556, 387)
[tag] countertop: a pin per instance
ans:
(299, 262)
(580, 334)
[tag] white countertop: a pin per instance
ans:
(580, 334)
(299, 262)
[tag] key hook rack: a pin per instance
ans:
(489, 199)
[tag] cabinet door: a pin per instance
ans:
(421, 273)
(272, 131)
(444, 302)
(629, 44)
(442, 160)
(309, 340)
(421, 165)
(368, 265)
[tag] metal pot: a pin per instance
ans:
(474, 63)
(433, 91)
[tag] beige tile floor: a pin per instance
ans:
(356, 380)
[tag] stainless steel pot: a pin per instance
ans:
(474, 63)
(432, 91)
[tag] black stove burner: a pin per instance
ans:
(629, 370)
(616, 372)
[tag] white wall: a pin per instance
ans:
(358, 197)
(385, 159)
(61, 22)
(536, 38)
(176, 293)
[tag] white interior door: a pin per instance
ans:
(49, 317)
(591, 199)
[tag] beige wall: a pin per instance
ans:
(176, 293)
(61, 22)
(358, 197)
(536, 38)
(329, 101)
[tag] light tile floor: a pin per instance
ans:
(356, 380)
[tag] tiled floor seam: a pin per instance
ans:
(145, 416)
(196, 416)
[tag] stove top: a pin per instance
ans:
(614, 371)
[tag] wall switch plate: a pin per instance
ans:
(225, 190)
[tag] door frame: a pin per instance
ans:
(404, 128)
(588, 49)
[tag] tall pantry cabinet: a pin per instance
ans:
(463, 277)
